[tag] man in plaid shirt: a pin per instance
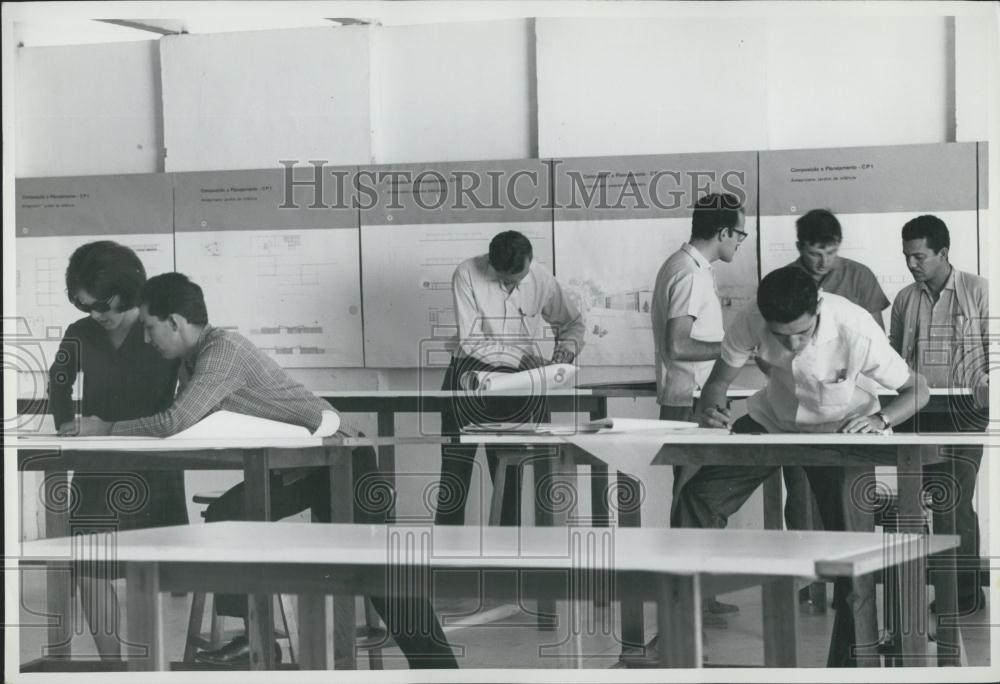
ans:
(221, 369)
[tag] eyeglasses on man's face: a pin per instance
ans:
(741, 235)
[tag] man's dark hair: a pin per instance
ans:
(930, 228)
(714, 212)
(508, 251)
(818, 227)
(105, 269)
(174, 293)
(786, 294)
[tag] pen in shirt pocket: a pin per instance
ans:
(841, 375)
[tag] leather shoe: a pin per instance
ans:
(647, 657)
(235, 654)
(966, 604)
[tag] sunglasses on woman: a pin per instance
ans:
(99, 305)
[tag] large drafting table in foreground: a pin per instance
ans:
(280, 270)
(617, 219)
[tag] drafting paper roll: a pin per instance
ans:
(535, 381)
(226, 424)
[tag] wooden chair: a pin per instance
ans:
(195, 639)
(371, 636)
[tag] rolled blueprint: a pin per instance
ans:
(534, 381)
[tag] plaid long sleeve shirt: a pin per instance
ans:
(226, 371)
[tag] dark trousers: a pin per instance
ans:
(410, 620)
(955, 481)
(716, 492)
(458, 460)
(801, 509)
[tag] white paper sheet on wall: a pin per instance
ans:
(55, 216)
(283, 275)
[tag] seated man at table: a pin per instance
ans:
(939, 324)
(818, 349)
(220, 369)
(503, 300)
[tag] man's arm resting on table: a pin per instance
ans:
(913, 395)
(711, 409)
(682, 347)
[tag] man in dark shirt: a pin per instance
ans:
(818, 237)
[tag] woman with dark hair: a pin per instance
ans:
(123, 378)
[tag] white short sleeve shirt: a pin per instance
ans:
(685, 286)
(819, 388)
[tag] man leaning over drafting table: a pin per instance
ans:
(818, 349)
(817, 237)
(503, 301)
(221, 369)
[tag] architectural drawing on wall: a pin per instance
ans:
(618, 219)
(873, 191)
(287, 279)
(410, 252)
(54, 216)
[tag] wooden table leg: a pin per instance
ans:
(945, 579)
(678, 617)
(549, 483)
(59, 604)
(342, 511)
(260, 616)
(387, 456)
(312, 631)
(630, 515)
(500, 484)
(912, 588)
(600, 512)
(145, 616)
(773, 515)
(780, 607)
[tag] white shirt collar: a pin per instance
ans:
(696, 255)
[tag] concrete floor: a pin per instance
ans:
(515, 642)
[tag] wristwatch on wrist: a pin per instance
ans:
(886, 423)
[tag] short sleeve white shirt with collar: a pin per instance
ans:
(819, 388)
(685, 286)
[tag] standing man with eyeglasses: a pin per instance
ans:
(687, 325)
(503, 300)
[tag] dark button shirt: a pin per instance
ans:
(118, 384)
(855, 282)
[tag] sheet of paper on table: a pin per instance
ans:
(226, 424)
(601, 426)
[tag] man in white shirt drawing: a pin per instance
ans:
(819, 349)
